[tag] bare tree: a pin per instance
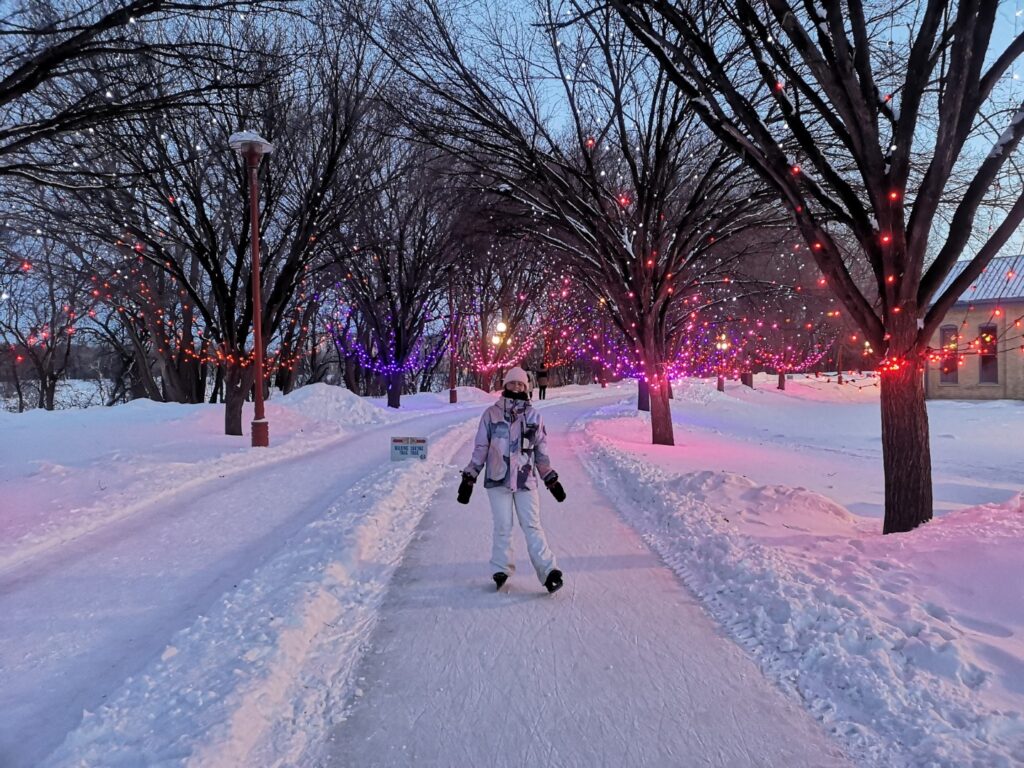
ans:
(174, 210)
(69, 66)
(41, 307)
(593, 149)
(502, 281)
(393, 272)
(866, 119)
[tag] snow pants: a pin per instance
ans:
(526, 506)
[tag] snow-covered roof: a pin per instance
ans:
(1002, 279)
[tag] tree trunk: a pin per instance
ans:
(48, 392)
(286, 379)
(661, 415)
(170, 379)
(145, 373)
(18, 389)
(395, 382)
(194, 381)
(643, 396)
(782, 380)
(721, 383)
(204, 374)
(906, 453)
(218, 385)
(348, 374)
(41, 392)
(237, 383)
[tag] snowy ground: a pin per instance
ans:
(171, 597)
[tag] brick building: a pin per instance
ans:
(978, 352)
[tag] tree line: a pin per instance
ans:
(693, 170)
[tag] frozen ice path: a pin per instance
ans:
(620, 668)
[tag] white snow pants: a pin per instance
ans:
(526, 504)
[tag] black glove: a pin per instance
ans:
(551, 481)
(466, 488)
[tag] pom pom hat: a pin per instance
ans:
(516, 374)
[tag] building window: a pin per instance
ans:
(949, 362)
(988, 359)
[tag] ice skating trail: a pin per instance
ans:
(620, 668)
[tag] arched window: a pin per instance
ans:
(949, 363)
(988, 359)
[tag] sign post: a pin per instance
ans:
(408, 448)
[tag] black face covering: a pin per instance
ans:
(515, 395)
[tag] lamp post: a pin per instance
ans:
(453, 395)
(722, 345)
(252, 148)
(497, 339)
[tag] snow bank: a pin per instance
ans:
(258, 674)
(329, 406)
(906, 647)
(70, 472)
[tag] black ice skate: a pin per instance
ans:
(500, 578)
(553, 582)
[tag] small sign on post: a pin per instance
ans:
(408, 448)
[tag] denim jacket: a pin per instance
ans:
(511, 445)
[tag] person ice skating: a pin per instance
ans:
(511, 447)
(542, 383)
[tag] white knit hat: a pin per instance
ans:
(516, 374)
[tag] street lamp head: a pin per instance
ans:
(246, 141)
(496, 340)
(501, 327)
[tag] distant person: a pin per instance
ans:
(542, 383)
(511, 447)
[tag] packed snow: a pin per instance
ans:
(174, 597)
